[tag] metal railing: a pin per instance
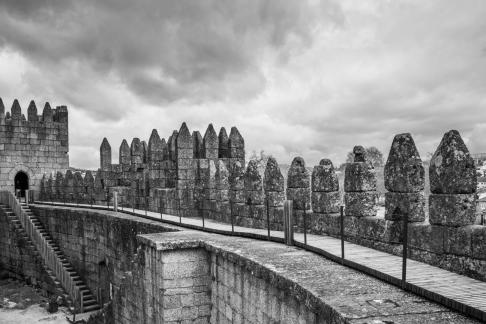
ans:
(44, 248)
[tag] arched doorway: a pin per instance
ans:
(21, 183)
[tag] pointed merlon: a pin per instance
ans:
(184, 138)
(136, 151)
(2, 108)
(124, 157)
(298, 175)
(324, 178)
(47, 113)
(197, 145)
(359, 154)
(273, 179)
(32, 112)
(236, 144)
(165, 150)
(223, 143)
(404, 171)
(210, 143)
(452, 169)
(105, 155)
(154, 153)
(16, 110)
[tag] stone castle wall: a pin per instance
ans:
(36, 145)
(191, 175)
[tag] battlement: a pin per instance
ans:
(206, 176)
(34, 145)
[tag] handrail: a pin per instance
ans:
(45, 249)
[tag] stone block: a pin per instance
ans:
(359, 176)
(275, 198)
(452, 209)
(300, 197)
(324, 177)
(404, 171)
(426, 237)
(326, 202)
(452, 168)
(478, 242)
(254, 197)
(360, 204)
(457, 240)
(397, 205)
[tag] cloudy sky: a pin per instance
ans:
(309, 78)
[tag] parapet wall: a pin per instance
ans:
(35, 145)
(192, 175)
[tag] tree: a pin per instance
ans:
(373, 155)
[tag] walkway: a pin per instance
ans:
(452, 290)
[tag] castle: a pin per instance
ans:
(32, 146)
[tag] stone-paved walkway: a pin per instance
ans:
(455, 291)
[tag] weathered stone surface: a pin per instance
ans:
(124, 153)
(47, 113)
(300, 197)
(105, 155)
(426, 237)
(398, 204)
(478, 242)
(154, 153)
(136, 152)
(298, 175)
(273, 179)
(457, 240)
(184, 138)
(453, 209)
(16, 110)
(222, 176)
(324, 178)
(360, 204)
(32, 112)
(326, 202)
(211, 143)
(253, 179)
(237, 176)
(223, 144)
(452, 168)
(236, 146)
(359, 153)
(197, 146)
(404, 171)
(274, 198)
(359, 176)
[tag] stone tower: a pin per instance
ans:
(33, 146)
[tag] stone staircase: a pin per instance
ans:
(81, 297)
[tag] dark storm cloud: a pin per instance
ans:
(164, 50)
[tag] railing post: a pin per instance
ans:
(115, 201)
(160, 207)
(268, 219)
(405, 250)
(202, 218)
(288, 222)
(305, 227)
(145, 198)
(341, 210)
(232, 221)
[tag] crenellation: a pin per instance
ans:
(453, 183)
(210, 143)
(360, 194)
(405, 181)
(326, 197)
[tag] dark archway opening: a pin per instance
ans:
(21, 183)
